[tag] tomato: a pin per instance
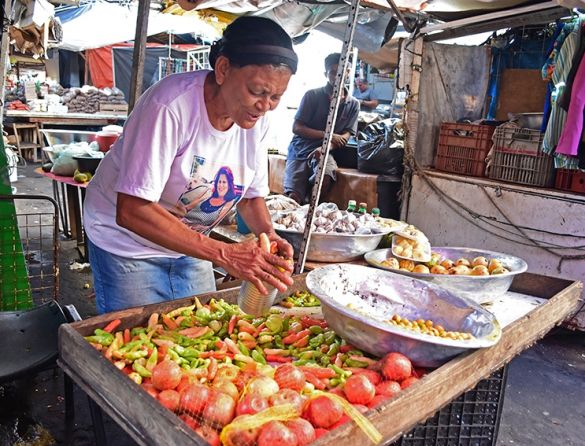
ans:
(323, 412)
(373, 376)
(227, 387)
(220, 410)
(166, 375)
(275, 433)
(302, 429)
(288, 396)
(388, 388)
(263, 386)
(319, 432)
(194, 398)
(344, 419)
(378, 399)
(251, 404)
(359, 390)
(169, 399)
(189, 421)
(209, 435)
(149, 388)
(287, 376)
(396, 366)
(185, 382)
(408, 382)
(241, 437)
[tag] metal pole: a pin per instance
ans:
(139, 53)
(326, 146)
(4, 56)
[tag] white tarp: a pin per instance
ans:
(106, 24)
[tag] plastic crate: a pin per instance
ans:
(571, 180)
(463, 148)
(517, 158)
(473, 419)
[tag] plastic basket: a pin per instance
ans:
(463, 148)
(571, 180)
(473, 419)
(517, 158)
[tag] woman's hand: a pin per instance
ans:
(247, 261)
(284, 248)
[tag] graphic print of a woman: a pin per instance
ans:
(224, 196)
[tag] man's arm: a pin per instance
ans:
(370, 103)
(304, 131)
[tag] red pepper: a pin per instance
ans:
(127, 336)
(212, 369)
(319, 384)
(294, 337)
(302, 342)
(247, 327)
(319, 372)
(308, 321)
(194, 332)
(232, 324)
(112, 325)
(277, 358)
(232, 347)
(346, 348)
(171, 324)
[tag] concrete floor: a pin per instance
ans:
(544, 402)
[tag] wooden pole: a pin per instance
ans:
(411, 120)
(139, 53)
(4, 58)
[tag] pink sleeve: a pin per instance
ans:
(150, 143)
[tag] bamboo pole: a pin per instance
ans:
(139, 53)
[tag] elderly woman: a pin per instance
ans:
(146, 226)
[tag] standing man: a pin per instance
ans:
(365, 95)
(304, 150)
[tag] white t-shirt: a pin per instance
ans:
(169, 153)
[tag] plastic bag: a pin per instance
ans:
(63, 162)
(381, 148)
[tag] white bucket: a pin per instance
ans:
(12, 162)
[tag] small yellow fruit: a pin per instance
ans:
(480, 270)
(438, 269)
(447, 264)
(499, 270)
(422, 269)
(479, 261)
(493, 264)
(462, 261)
(391, 262)
(407, 265)
(459, 270)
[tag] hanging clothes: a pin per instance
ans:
(558, 67)
(549, 86)
(573, 129)
(565, 98)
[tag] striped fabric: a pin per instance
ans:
(562, 67)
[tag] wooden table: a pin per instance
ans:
(85, 119)
(546, 301)
(69, 194)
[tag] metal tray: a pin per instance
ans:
(374, 296)
(481, 289)
(334, 247)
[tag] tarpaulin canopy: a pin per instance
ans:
(94, 25)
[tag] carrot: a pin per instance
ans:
(278, 358)
(112, 325)
(127, 336)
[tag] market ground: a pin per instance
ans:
(544, 402)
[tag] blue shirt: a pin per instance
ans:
(366, 95)
(313, 113)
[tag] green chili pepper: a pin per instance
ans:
(256, 356)
(274, 323)
(355, 363)
(131, 356)
(329, 337)
(141, 370)
(215, 325)
(278, 342)
(303, 362)
(152, 360)
(334, 382)
(315, 329)
(325, 360)
(245, 350)
(103, 340)
(137, 330)
(333, 349)
(317, 341)
(263, 339)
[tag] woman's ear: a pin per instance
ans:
(222, 68)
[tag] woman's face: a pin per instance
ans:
(222, 185)
(251, 91)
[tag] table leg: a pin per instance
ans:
(66, 216)
(74, 211)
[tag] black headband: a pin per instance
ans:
(261, 55)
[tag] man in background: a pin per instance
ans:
(364, 94)
(304, 150)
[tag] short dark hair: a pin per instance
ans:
(252, 40)
(332, 59)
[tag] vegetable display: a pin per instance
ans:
(242, 380)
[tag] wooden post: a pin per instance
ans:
(411, 121)
(139, 53)
(3, 59)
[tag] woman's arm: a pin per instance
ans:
(257, 218)
(243, 260)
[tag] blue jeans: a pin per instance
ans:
(121, 282)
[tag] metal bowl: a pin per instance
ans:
(480, 289)
(334, 247)
(358, 300)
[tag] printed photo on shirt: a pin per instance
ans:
(209, 195)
